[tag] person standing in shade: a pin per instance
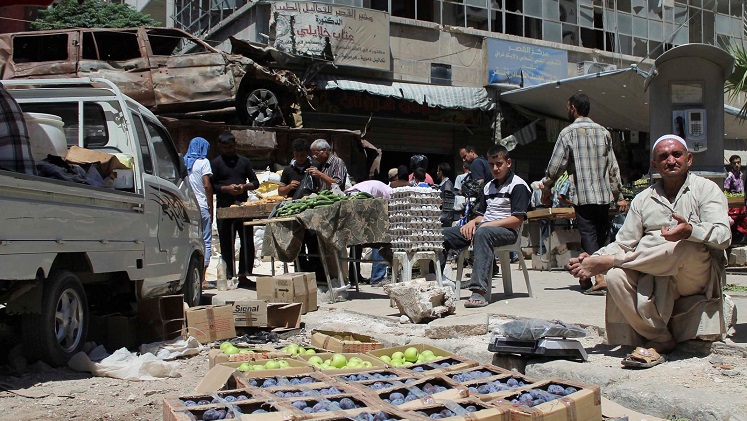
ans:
(479, 168)
(198, 173)
(233, 176)
(584, 149)
(293, 174)
(458, 180)
(329, 168)
(734, 182)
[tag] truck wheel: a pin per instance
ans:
(258, 107)
(192, 288)
(59, 332)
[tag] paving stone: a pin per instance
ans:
(458, 326)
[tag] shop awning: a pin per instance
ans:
(448, 97)
(618, 101)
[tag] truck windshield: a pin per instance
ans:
(94, 121)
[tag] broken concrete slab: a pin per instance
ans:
(421, 300)
(458, 326)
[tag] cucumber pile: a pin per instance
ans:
(325, 198)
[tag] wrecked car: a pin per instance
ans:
(166, 69)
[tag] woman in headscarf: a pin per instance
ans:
(198, 173)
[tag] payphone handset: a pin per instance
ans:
(691, 125)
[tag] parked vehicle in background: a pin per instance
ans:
(166, 69)
(67, 248)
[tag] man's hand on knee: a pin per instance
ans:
(588, 266)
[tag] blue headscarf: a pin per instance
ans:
(198, 149)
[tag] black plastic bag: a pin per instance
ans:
(308, 185)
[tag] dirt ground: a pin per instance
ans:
(41, 393)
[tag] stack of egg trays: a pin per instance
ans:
(414, 223)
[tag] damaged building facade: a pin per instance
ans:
(430, 73)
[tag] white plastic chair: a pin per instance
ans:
(504, 254)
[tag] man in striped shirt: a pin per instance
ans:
(330, 169)
(15, 149)
(584, 149)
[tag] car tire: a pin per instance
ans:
(60, 331)
(192, 288)
(258, 107)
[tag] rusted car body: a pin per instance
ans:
(165, 69)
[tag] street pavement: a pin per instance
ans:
(557, 296)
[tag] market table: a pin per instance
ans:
(549, 215)
(241, 215)
(338, 226)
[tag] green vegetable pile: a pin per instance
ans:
(325, 198)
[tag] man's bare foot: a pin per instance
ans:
(600, 283)
(662, 347)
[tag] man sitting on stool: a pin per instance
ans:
(501, 209)
(671, 247)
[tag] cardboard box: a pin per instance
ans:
(210, 323)
(584, 404)
(375, 362)
(513, 381)
(106, 161)
(297, 287)
(238, 410)
(161, 318)
(563, 236)
(484, 412)
(319, 379)
(538, 264)
(483, 369)
(216, 356)
(329, 339)
(258, 313)
(172, 404)
(114, 331)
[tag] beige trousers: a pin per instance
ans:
(645, 283)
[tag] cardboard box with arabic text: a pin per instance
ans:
(210, 323)
(296, 287)
(259, 313)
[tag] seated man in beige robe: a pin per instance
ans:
(666, 259)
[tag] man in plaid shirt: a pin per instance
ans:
(584, 149)
(15, 150)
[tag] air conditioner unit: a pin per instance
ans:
(590, 67)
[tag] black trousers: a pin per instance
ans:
(227, 235)
(594, 226)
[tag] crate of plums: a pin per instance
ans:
(455, 410)
(312, 391)
(490, 388)
(367, 414)
(269, 381)
(373, 381)
(553, 400)
(319, 406)
(174, 405)
(423, 389)
(422, 358)
(482, 371)
(259, 410)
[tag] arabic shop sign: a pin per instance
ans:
(525, 64)
(349, 36)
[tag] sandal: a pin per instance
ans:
(593, 291)
(643, 358)
(476, 300)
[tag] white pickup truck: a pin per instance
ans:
(67, 248)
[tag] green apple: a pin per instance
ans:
(426, 353)
(292, 349)
(328, 361)
(326, 366)
(225, 345)
(339, 360)
(316, 360)
(258, 367)
(431, 358)
(245, 367)
(301, 350)
(231, 350)
(356, 359)
(310, 351)
(396, 363)
(272, 365)
(354, 364)
(411, 354)
(283, 364)
(398, 356)
(385, 358)
(367, 364)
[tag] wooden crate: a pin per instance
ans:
(261, 210)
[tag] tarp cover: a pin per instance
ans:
(450, 97)
(618, 100)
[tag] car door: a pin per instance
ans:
(119, 56)
(179, 222)
(187, 72)
(43, 55)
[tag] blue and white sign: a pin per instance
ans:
(525, 64)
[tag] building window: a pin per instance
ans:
(441, 74)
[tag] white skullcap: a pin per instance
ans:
(670, 136)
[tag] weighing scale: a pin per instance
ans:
(542, 347)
